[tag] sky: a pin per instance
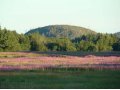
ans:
(23, 15)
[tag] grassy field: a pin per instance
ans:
(60, 78)
(59, 70)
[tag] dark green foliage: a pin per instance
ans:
(61, 44)
(105, 41)
(8, 41)
(62, 31)
(86, 46)
(37, 42)
(98, 42)
(2, 39)
(53, 46)
(24, 42)
(12, 41)
(116, 46)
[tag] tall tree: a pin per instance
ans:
(24, 42)
(37, 42)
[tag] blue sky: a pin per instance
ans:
(98, 15)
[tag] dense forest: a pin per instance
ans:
(12, 41)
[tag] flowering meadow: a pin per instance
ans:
(31, 60)
(28, 70)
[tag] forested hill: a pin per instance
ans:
(62, 31)
(117, 34)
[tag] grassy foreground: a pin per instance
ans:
(61, 78)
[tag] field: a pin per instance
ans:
(59, 70)
(60, 79)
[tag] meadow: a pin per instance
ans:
(59, 70)
(56, 79)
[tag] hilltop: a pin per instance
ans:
(117, 34)
(62, 31)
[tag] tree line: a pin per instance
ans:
(12, 41)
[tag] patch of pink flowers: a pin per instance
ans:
(35, 62)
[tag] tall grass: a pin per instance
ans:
(29, 60)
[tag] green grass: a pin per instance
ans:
(61, 78)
